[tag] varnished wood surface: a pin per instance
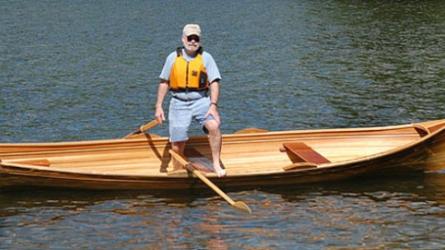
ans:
(252, 158)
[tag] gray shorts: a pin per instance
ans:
(181, 113)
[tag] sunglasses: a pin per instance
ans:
(193, 37)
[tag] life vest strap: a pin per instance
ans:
(182, 90)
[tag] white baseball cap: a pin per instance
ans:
(191, 29)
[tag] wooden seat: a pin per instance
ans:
(300, 152)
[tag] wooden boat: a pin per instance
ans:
(252, 158)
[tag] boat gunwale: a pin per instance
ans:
(158, 139)
(159, 142)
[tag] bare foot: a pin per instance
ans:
(220, 172)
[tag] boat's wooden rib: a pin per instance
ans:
(252, 158)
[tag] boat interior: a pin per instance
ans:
(249, 151)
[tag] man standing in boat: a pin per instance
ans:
(190, 73)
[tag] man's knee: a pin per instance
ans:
(212, 126)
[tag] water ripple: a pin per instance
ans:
(85, 70)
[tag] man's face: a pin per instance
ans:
(191, 43)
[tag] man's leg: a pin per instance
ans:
(179, 118)
(215, 141)
(178, 147)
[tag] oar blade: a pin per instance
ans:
(242, 206)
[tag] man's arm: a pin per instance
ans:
(214, 95)
(162, 92)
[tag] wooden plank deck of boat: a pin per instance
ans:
(252, 158)
(242, 154)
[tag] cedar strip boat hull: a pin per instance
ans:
(252, 159)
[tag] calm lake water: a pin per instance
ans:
(81, 70)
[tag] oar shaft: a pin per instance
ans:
(148, 126)
(178, 157)
(143, 128)
(239, 204)
(210, 184)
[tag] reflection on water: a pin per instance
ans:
(371, 212)
(88, 69)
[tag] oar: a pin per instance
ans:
(143, 128)
(237, 204)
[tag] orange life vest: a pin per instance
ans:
(190, 75)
